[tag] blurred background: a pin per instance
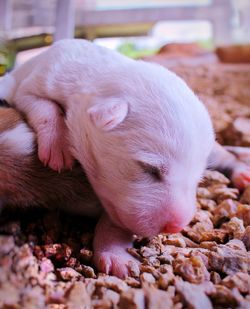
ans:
(136, 28)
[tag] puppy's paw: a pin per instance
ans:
(241, 176)
(54, 153)
(118, 263)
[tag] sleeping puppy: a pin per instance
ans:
(140, 134)
(25, 182)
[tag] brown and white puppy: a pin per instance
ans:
(25, 182)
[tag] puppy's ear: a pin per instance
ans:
(108, 115)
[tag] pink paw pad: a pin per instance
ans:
(57, 157)
(53, 149)
(115, 264)
(241, 177)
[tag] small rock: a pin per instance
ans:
(239, 280)
(245, 197)
(246, 238)
(132, 299)
(68, 274)
(6, 244)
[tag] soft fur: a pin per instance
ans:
(141, 135)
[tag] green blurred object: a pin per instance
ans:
(130, 49)
(7, 56)
(207, 44)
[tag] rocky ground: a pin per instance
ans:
(45, 258)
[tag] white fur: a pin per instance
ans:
(7, 86)
(161, 123)
(20, 139)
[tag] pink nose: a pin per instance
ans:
(172, 228)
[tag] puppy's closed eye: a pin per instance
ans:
(153, 171)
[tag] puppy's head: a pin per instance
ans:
(144, 141)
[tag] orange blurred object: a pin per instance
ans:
(234, 54)
(181, 49)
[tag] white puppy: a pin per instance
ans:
(139, 132)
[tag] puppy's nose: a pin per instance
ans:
(172, 228)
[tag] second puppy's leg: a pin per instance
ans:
(231, 164)
(241, 153)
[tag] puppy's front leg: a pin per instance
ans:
(47, 120)
(231, 164)
(241, 153)
(110, 244)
